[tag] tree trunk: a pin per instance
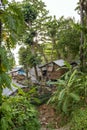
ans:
(0, 72)
(53, 43)
(0, 62)
(44, 56)
(0, 32)
(41, 51)
(36, 72)
(27, 77)
(82, 36)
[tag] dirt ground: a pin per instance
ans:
(49, 119)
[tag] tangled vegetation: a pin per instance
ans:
(18, 114)
(43, 39)
(79, 120)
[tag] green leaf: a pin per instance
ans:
(74, 96)
(71, 78)
(5, 1)
(62, 94)
(65, 105)
(4, 124)
(67, 64)
(6, 107)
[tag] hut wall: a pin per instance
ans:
(56, 73)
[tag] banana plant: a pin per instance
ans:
(70, 90)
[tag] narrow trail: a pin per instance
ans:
(49, 119)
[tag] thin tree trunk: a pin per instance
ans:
(41, 51)
(57, 52)
(46, 60)
(0, 32)
(86, 32)
(82, 36)
(0, 62)
(36, 72)
(35, 68)
(0, 72)
(27, 76)
(53, 43)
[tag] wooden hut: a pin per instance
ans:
(53, 70)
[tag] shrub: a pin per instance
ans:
(19, 114)
(79, 120)
(71, 92)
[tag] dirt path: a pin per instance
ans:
(63, 128)
(49, 119)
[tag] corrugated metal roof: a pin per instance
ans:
(16, 68)
(59, 62)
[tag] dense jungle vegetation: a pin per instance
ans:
(43, 38)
